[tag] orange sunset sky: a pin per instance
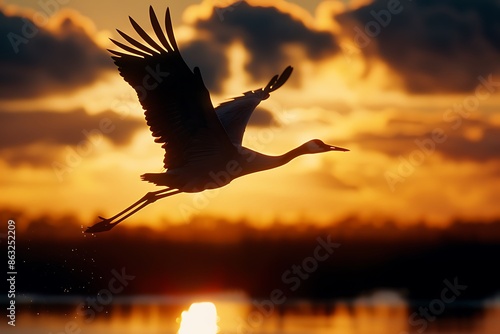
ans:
(412, 88)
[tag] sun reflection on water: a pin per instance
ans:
(200, 318)
(375, 315)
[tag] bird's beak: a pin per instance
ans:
(341, 149)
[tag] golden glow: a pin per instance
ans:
(200, 318)
(474, 133)
(238, 80)
(358, 318)
(336, 100)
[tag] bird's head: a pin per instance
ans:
(317, 146)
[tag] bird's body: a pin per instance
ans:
(221, 170)
(203, 144)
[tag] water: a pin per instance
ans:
(236, 314)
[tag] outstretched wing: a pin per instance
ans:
(177, 104)
(235, 113)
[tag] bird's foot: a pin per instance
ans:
(102, 226)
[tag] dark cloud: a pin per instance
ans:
(265, 32)
(23, 134)
(36, 61)
(484, 149)
(40, 156)
(435, 46)
(452, 143)
(211, 58)
(262, 117)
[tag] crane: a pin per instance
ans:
(203, 144)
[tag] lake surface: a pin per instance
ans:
(239, 315)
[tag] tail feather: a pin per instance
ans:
(156, 178)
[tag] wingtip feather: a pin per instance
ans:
(144, 35)
(282, 78)
(129, 49)
(170, 30)
(158, 30)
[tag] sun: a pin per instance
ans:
(200, 318)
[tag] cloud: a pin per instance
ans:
(37, 60)
(266, 33)
(434, 46)
(262, 117)
(212, 60)
(35, 137)
(475, 140)
(486, 148)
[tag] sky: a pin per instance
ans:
(411, 88)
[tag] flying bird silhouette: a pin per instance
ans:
(203, 148)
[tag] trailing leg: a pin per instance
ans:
(150, 197)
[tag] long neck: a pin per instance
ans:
(288, 156)
(256, 162)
